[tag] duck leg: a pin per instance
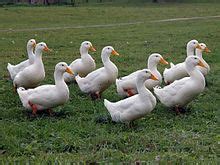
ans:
(129, 92)
(50, 112)
(33, 107)
(15, 88)
(98, 95)
(177, 109)
(95, 95)
(130, 124)
(168, 83)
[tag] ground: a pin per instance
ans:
(75, 133)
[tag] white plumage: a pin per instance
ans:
(99, 80)
(83, 65)
(126, 86)
(47, 96)
(204, 70)
(183, 91)
(136, 106)
(15, 69)
(178, 71)
(32, 75)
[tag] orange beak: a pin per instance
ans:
(201, 64)
(153, 77)
(68, 70)
(34, 44)
(115, 53)
(91, 48)
(207, 50)
(46, 49)
(198, 47)
(162, 61)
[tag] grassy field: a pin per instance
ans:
(74, 134)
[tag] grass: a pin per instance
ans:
(73, 134)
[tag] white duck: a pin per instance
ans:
(126, 86)
(47, 96)
(83, 65)
(181, 92)
(32, 75)
(178, 71)
(136, 106)
(99, 80)
(203, 70)
(14, 69)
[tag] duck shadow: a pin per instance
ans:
(103, 119)
(46, 114)
(181, 111)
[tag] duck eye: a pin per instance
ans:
(62, 65)
(108, 48)
(156, 55)
(194, 43)
(87, 43)
(41, 44)
(195, 58)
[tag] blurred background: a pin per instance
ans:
(79, 2)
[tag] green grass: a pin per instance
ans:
(73, 133)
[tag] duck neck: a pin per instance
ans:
(106, 60)
(152, 65)
(109, 66)
(38, 57)
(199, 53)
(189, 51)
(142, 90)
(83, 52)
(195, 74)
(30, 51)
(59, 80)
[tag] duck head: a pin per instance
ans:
(42, 47)
(87, 45)
(31, 44)
(204, 48)
(193, 61)
(157, 58)
(63, 67)
(146, 74)
(109, 50)
(193, 44)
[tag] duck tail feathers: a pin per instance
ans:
(23, 96)
(115, 115)
(77, 78)
(171, 64)
(165, 72)
(119, 88)
(106, 103)
(10, 70)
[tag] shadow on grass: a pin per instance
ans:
(45, 114)
(106, 119)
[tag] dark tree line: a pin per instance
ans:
(87, 1)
